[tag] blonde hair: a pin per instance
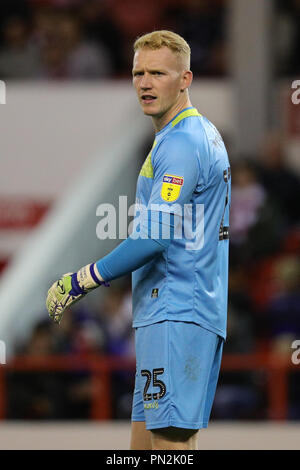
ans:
(173, 41)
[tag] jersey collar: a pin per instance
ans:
(184, 113)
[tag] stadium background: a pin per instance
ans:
(73, 137)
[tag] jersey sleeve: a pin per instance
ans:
(176, 173)
(130, 255)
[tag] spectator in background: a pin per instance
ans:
(282, 322)
(255, 223)
(41, 341)
(248, 197)
(100, 28)
(287, 37)
(132, 19)
(201, 22)
(67, 54)
(241, 322)
(294, 67)
(35, 395)
(80, 335)
(282, 311)
(43, 23)
(281, 183)
(115, 317)
(19, 57)
(63, 339)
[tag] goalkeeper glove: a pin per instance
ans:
(70, 288)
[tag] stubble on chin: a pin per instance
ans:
(148, 112)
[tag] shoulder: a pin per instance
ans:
(212, 135)
(177, 153)
(178, 140)
(176, 147)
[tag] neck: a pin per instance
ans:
(161, 121)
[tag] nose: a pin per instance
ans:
(145, 83)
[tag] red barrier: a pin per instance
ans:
(275, 366)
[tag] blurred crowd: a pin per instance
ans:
(286, 37)
(91, 39)
(263, 308)
(264, 277)
(265, 250)
(104, 329)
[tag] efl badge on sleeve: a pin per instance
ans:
(171, 187)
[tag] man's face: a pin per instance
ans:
(158, 79)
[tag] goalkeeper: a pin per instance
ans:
(179, 282)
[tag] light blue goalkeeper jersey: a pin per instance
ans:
(186, 173)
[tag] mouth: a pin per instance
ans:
(147, 99)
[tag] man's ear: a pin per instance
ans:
(187, 79)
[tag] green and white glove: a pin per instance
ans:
(70, 288)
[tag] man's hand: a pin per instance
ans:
(70, 288)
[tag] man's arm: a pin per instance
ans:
(130, 255)
(176, 157)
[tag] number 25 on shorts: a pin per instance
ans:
(156, 383)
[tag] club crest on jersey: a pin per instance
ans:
(171, 187)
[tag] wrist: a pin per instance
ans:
(88, 277)
(96, 274)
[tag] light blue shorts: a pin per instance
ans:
(178, 365)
